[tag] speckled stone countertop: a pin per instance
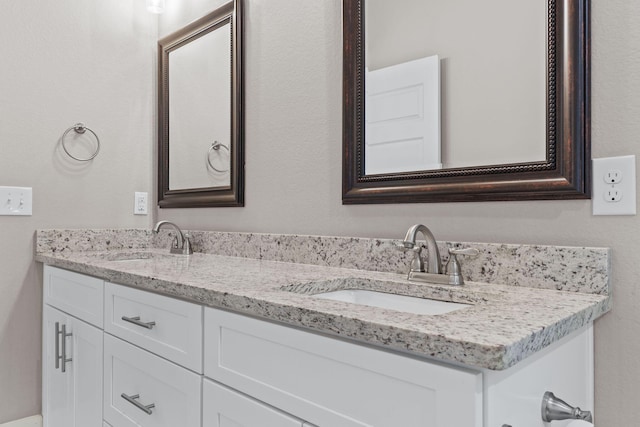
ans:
(501, 326)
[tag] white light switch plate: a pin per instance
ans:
(16, 201)
(614, 186)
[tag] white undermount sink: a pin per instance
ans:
(392, 301)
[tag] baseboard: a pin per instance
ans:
(35, 421)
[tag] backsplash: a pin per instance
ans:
(76, 240)
(575, 269)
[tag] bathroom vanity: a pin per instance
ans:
(146, 338)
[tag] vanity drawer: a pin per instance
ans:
(165, 326)
(329, 382)
(174, 392)
(73, 293)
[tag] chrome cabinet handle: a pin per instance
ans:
(136, 321)
(61, 343)
(57, 345)
(63, 355)
(133, 400)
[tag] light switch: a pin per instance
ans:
(16, 201)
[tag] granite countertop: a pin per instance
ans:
(501, 326)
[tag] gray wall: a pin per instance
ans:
(293, 139)
(64, 62)
(77, 60)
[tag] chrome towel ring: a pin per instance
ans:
(215, 146)
(80, 128)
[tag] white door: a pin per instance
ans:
(223, 407)
(402, 109)
(72, 398)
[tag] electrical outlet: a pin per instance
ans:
(614, 186)
(613, 195)
(140, 203)
(613, 176)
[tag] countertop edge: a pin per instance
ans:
(470, 354)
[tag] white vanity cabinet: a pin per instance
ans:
(135, 374)
(335, 383)
(163, 362)
(71, 350)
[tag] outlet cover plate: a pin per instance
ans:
(617, 198)
(16, 201)
(140, 204)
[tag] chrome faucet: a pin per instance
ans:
(433, 262)
(451, 274)
(181, 244)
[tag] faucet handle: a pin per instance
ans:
(453, 268)
(417, 264)
(465, 251)
(408, 246)
(187, 250)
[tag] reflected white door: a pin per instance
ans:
(402, 130)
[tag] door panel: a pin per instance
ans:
(223, 407)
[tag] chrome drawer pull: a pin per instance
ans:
(134, 402)
(136, 321)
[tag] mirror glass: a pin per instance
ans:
(199, 113)
(438, 86)
(465, 101)
(200, 156)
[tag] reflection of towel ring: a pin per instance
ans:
(215, 145)
(80, 128)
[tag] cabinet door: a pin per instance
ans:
(72, 398)
(223, 407)
(332, 383)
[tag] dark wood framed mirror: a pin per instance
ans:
(562, 172)
(201, 112)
